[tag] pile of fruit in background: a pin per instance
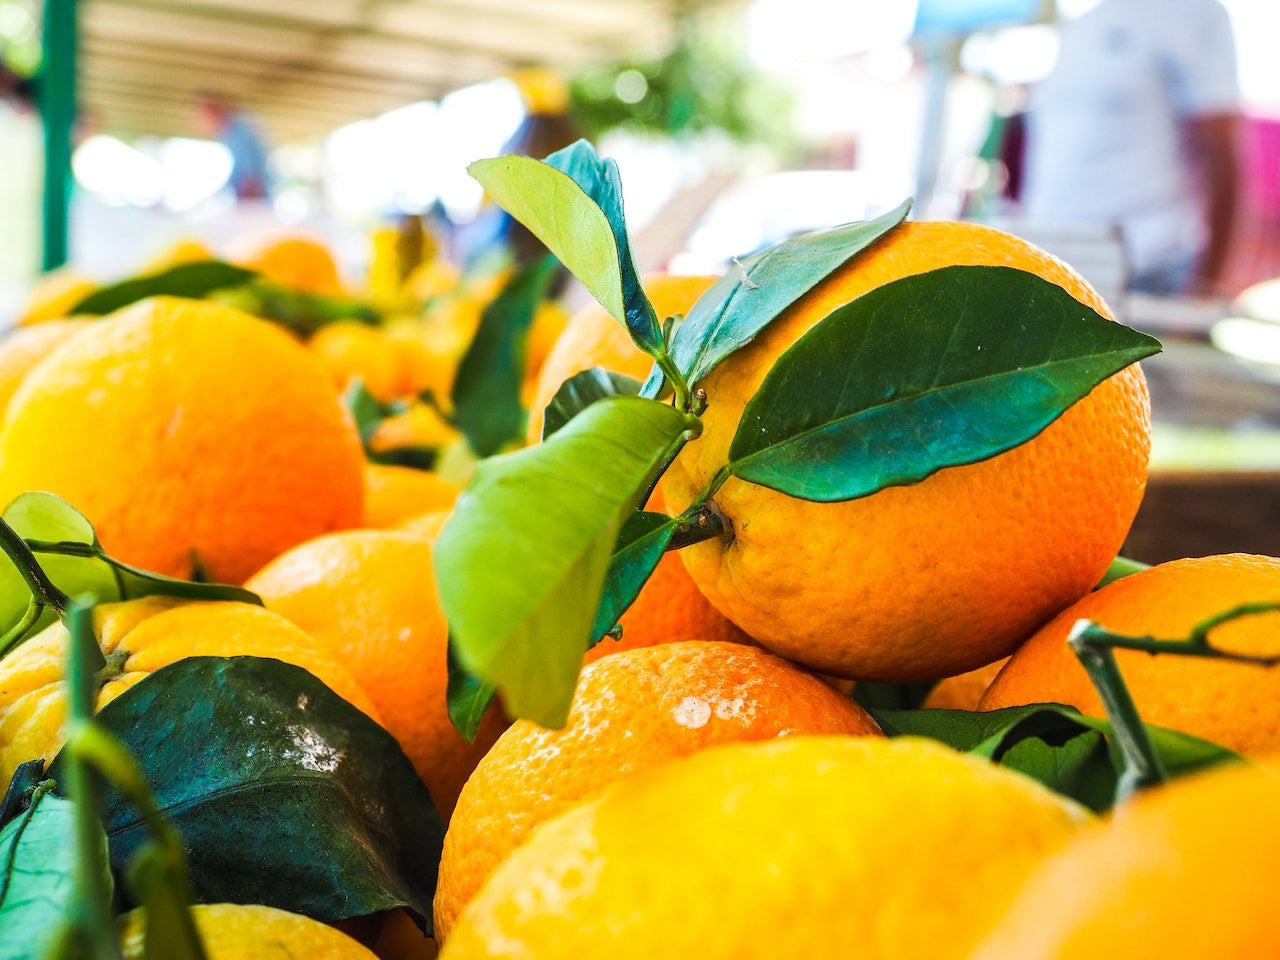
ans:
(770, 614)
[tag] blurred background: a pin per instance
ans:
(131, 127)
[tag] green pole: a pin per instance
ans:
(57, 112)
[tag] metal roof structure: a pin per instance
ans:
(304, 67)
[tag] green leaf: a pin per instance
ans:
(880, 695)
(37, 876)
(640, 546)
(193, 280)
(283, 792)
(751, 296)
(486, 390)
(1071, 766)
(580, 391)
(298, 310)
(948, 367)
(468, 697)
(572, 202)
(521, 564)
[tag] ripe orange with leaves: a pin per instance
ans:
(194, 437)
(927, 580)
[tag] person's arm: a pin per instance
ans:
(1213, 141)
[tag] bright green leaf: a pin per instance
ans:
(572, 202)
(580, 391)
(486, 389)
(945, 368)
(467, 697)
(283, 793)
(37, 876)
(194, 280)
(640, 546)
(521, 564)
(751, 296)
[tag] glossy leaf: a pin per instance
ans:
(580, 391)
(284, 793)
(37, 876)
(25, 778)
(486, 389)
(640, 546)
(194, 280)
(752, 295)
(945, 368)
(468, 697)
(1075, 768)
(572, 202)
(68, 551)
(521, 564)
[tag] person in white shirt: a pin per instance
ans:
(1136, 127)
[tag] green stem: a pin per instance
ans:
(706, 523)
(692, 433)
(41, 587)
(84, 786)
(1142, 766)
(1121, 567)
(683, 396)
(14, 635)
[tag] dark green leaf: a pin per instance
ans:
(25, 778)
(298, 310)
(486, 390)
(751, 296)
(366, 410)
(194, 280)
(1075, 770)
(572, 202)
(878, 695)
(945, 368)
(580, 391)
(284, 793)
(521, 564)
(640, 546)
(1080, 768)
(37, 876)
(468, 697)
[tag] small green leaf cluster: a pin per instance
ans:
(546, 548)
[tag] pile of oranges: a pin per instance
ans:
(716, 792)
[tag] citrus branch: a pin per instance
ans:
(1095, 647)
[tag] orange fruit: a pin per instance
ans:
(194, 437)
(23, 348)
(394, 494)
(1186, 870)
(369, 597)
(419, 426)
(962, 692)
(798, 847)
(182, 251)
(139, 637)
(632, 711)
(933, 579)
(54, 296)
(1233, 704)
(593, 338)
(234, 931)
(400, 939)
(293, 260)
(349, 349)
